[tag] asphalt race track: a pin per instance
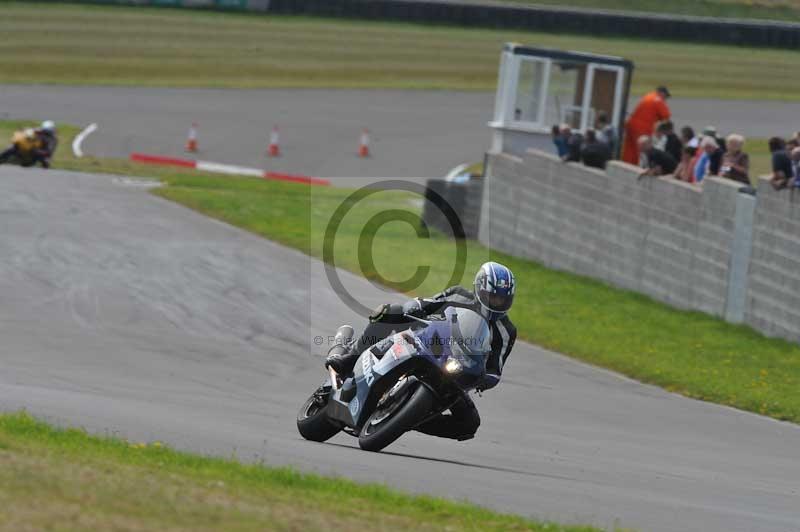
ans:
(127, 314)
(420, 134)
(414, 133)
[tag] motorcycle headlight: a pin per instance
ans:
(460, 356)
(452, 365)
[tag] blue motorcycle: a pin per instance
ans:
(423, 371)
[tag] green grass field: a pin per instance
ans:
(67, 480)
(784, 10)
(180, 48)
(686, 352)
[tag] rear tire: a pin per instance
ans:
(374, 437)
(312, 422)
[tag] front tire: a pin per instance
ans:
(378, 433)
(313, 424)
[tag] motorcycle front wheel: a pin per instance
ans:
(312, 422)
(391, 420)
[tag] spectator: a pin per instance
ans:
(782, 171)
(659, 137)
(688, 137)
(703, 162)
(685, 169)
(710, 159)
(574, 141)
(711, 131)
(791, 144)
(651, 109)
(795, 157)
(672, 144)
(656, 162)
(559, 141)
(594, 153)
(606, 132)
(735, 163)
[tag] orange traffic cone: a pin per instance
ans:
(191, 141)
(363, 144)
(274, 148)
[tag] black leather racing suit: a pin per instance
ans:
(463, 421)
(48, 144)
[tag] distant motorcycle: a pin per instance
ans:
(24, 143)
(424, 372)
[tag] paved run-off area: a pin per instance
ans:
(125, 313)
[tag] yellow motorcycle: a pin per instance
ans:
(24, 144)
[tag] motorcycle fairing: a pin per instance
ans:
(370, 380)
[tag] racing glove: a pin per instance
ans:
(413, 307)
(387, 313)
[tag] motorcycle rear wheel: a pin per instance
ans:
(381, 430)
(312, 422)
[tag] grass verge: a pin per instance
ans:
(56, 479)
(686, 352)
(781, 10)
(182, 48)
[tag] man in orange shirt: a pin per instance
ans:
(651, 110)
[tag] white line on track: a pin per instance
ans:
(228, 169)
(80, 137)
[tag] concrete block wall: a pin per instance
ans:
(462, 201)
(661, 237)
(773, 289)
(471, 210)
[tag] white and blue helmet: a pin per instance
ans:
(494, 288)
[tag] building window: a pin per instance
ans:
(565, 93)
(528, 96)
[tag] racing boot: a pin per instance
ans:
(460, 424)
(383, 321)
(342, 363)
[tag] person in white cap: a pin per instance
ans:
(711, 131)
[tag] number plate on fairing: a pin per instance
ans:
(403, 346)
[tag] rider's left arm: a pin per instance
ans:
(421, 306)
(504, 335)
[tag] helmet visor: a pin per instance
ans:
(496, 302)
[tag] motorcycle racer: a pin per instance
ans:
(32, 146)
(492, 297)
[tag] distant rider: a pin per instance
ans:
(492, 296)
(48, 142)
(33, 146)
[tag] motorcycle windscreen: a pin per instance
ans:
(470, 335)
